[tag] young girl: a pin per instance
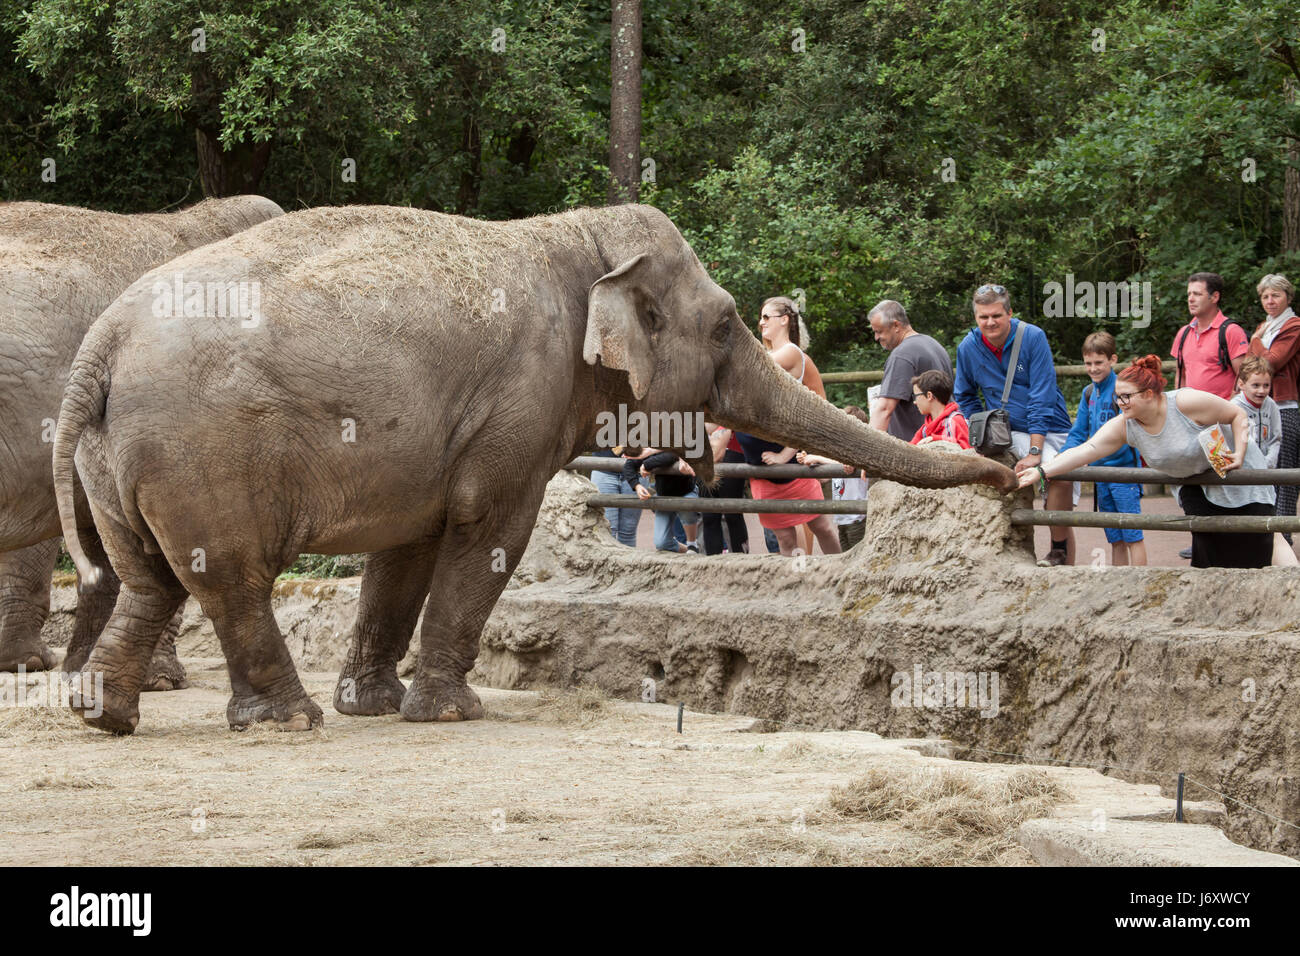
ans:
(1254, 382)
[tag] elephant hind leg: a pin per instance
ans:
(24, 606)
(109, 683)
(393, 587)
(474, 564)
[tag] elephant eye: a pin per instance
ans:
(722, 330)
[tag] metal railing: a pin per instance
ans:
(876, 375)
(1249, 524)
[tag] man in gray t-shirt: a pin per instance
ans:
(910, 354)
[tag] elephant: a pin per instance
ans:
(60, 267)
(413, 383)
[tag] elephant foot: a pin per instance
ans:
(369, 693)
(104, 707)
(441, 700)
(295, 713)
(30, 655)
(165, 670)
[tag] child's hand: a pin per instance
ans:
(642, 492)
(802, 457)
(1028, 478)
(770, 458)
(926, 440)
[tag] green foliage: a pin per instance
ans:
(326, 566)
(857, 151)
(769, 230)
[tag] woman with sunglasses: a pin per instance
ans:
(1164, 426)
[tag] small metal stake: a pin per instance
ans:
(1178, 811)
(681, 709)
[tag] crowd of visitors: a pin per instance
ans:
(1246, 389)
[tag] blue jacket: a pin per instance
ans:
(1036, 405)
(1096, 408)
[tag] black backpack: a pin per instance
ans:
(1225, 362)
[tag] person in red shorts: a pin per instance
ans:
(932, 396)
(757, 451)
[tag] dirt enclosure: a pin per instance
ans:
(545, 778)
(1121, 668)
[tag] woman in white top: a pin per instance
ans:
(1278, 340)
(1163, 427)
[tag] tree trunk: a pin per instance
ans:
(236, 172)
(1291, 187)
(625, 102)
(471, 174)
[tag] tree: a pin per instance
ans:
(625, 101)
(240, 74)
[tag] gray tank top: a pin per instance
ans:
(1175, 451)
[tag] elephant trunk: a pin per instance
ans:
(753, 395)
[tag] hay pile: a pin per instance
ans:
(972, 819)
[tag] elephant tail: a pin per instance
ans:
(84, 401)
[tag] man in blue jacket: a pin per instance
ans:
(1096, 407)
(1040, 422)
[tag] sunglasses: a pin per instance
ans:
(995, 289)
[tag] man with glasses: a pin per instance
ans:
(1040, 422)
(910, 354)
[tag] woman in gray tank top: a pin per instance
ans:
(1163, 427)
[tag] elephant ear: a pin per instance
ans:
(621, 314)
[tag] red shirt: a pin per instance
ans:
(995, 349)
(949, 426)
(1201, 356)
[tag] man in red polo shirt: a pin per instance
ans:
(1209, 349)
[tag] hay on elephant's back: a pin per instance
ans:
(372, 254)
(36, 235)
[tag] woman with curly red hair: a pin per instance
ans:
(1164, 426)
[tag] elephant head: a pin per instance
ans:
(676, 333)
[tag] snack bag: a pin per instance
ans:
(1215, 445)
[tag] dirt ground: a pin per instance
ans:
(546, 779)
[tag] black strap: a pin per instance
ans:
(1182, 371)
(1011, 369)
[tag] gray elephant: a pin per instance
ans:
(412, 383)
(60, 267)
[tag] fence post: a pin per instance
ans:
(1178, 810)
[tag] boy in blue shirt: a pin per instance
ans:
(1096, 407)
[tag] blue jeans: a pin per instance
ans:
(622, 521)
(664, 524)
(769, 538)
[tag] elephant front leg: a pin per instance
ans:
(393, 586)
(95, 603)
(473, 567)
(25, 604)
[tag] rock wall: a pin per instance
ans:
(1148, 669)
